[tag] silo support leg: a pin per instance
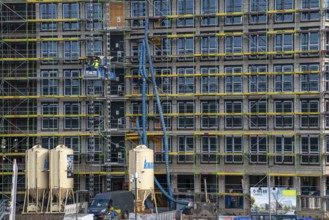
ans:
(66, 196)
(37, 201)
(43, 199)
(24, 202)
(155, 201)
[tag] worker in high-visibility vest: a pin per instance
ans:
(96, 64)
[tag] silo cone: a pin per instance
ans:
(60, 178)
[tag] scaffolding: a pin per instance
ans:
(205, 90)
(45, 98)
(228, 119)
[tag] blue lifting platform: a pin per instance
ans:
(97, 69)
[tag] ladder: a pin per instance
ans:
(91, 92)
(108, 101)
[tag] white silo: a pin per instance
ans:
(36, 179)
(141, 172)
(61, 179)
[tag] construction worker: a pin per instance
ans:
(96, 64)
(114, 213)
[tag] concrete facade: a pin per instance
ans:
(207, 74)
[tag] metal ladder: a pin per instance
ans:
(91, 92)
(108, 101)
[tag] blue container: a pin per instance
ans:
(305, 218)
(242, 218)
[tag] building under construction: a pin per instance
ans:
(243, 88)
(45, 98)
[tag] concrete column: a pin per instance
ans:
(323, 188)
(174, 110)
(173, 181)
(221, 108)
(197, 187)
(82, 181)
(197, 123)
(246, 192)
(221, 189)
(297, 186)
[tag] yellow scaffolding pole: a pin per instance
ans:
(224, 34)
(242, 54)
(224, 114)
(226, 74)
(53, 20)
(66, 134)
(26, 59)
(47, 97)
(226, 94)
(11, 173)
(53, 1)
(135, 136)
(35, 78)
(9, 192)
(39, 39)
(11, 154)
(220, 14)
(14, 59)
(99, 173)
(47, 116)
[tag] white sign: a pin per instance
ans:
(277, 200)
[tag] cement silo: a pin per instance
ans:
(36, 179)
(60, 178)
(141, 172)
